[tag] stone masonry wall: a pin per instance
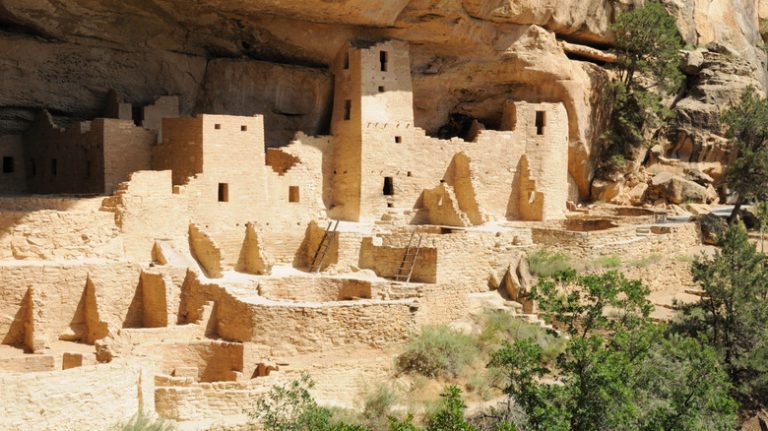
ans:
(314, 288)
(184, 400)
(386, 261)
(97, 397)
(50, 234)
(300, 326)
(146, 209)
(470, 255)
(61, 300)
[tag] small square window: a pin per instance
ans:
(381, 88)
(398, 139)
(243, 128)
(293, 194)
(217, 126)
(347, 109)
(8, 165)
(223, 192)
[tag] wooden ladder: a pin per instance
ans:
(331, 233)
(408, 263)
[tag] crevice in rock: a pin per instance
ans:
(577, 57)
(9, 26)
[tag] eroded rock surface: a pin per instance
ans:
(271, 58)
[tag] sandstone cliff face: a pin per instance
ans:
(270, 57)
(728, 58)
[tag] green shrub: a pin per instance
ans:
(379, 402)
(544, 263)
(378, 407)
(437, 351)
(500, 327)
(291, 407)
(141, 422)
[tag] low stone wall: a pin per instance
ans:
(182, 399)
(320, 289)
(27, 364)
(385, 261)
(624, 240)
(211, 360)
(306, 328)
(300, 326)
(85, 398)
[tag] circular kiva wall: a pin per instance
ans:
(315, 289)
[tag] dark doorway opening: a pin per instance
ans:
(541, 120)
(389, 186)
(223, 192)
(8, 165)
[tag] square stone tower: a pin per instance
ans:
(373, 100)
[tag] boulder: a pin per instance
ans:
(711, 228)
(524, 275)
(698, 177)
(606, 191)
(693, 62)
(510, 283)
(517, 282)
(676, 189)
(637, 194)
(698, 209)
(493, 281)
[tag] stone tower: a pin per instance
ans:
(373, 101)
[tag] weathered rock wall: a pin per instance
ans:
(271, 57)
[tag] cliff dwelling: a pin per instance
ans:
(179, 254)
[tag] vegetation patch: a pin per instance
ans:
(142, 422)
(437, 351)
(544, 263)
